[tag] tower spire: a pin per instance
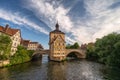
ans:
(57, 26)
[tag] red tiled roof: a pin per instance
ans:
(33, 42)
(1, 28)
(8, 30)
(40, 46)
(25, 42)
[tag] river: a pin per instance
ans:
(45, 70)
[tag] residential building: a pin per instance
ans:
(83, 46)
(40, 47)
(31, 45)
(15, 35)
(25, 43)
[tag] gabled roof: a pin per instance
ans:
(40, 46)
(25, 42)
(1, 28)
(56, 38)
(33, 42)
(9, 31)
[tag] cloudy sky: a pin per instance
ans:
(82, 20)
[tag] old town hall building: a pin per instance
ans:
(57, 44)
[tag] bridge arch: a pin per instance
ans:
(41, 52)
(38, 54)
(79, 53)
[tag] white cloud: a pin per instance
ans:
(105, 19)
(51, 14)
(100, 19)
(20, 20)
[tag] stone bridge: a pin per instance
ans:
(44, 51)
(78, 52)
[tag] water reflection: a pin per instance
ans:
(43, 70)
(56, 71)
(112, 73)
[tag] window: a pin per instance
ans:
(13, 38)
(14, 44)
(16, 39)
(12, 50)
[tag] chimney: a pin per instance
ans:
(6, 27)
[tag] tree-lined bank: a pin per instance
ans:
(6, 59)
(107, 51)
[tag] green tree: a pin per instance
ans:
(91, 55)
(68, 46)
(107, 50)
(22, 55)
(5, 47)
(74, 46)
(104, 47)
(114, 58)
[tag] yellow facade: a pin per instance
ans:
(57, 45)
(16, 39)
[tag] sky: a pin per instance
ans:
(82, 20)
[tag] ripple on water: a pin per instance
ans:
(71, 70)
(84, 70)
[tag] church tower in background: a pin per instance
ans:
(57, 44)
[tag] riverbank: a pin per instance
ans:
(4, 63)
(21, 56)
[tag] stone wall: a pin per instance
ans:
(4, 63)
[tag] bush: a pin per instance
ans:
(74, 46)
(107, 51)
(5, 47)
(104, 48)
(22, 55)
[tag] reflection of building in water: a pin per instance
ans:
(56, 71)
(57, 44)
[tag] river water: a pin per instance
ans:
(45, 70)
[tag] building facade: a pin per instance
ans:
(31, 45)
(25, 43)
(14, 34)
(57, 44)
